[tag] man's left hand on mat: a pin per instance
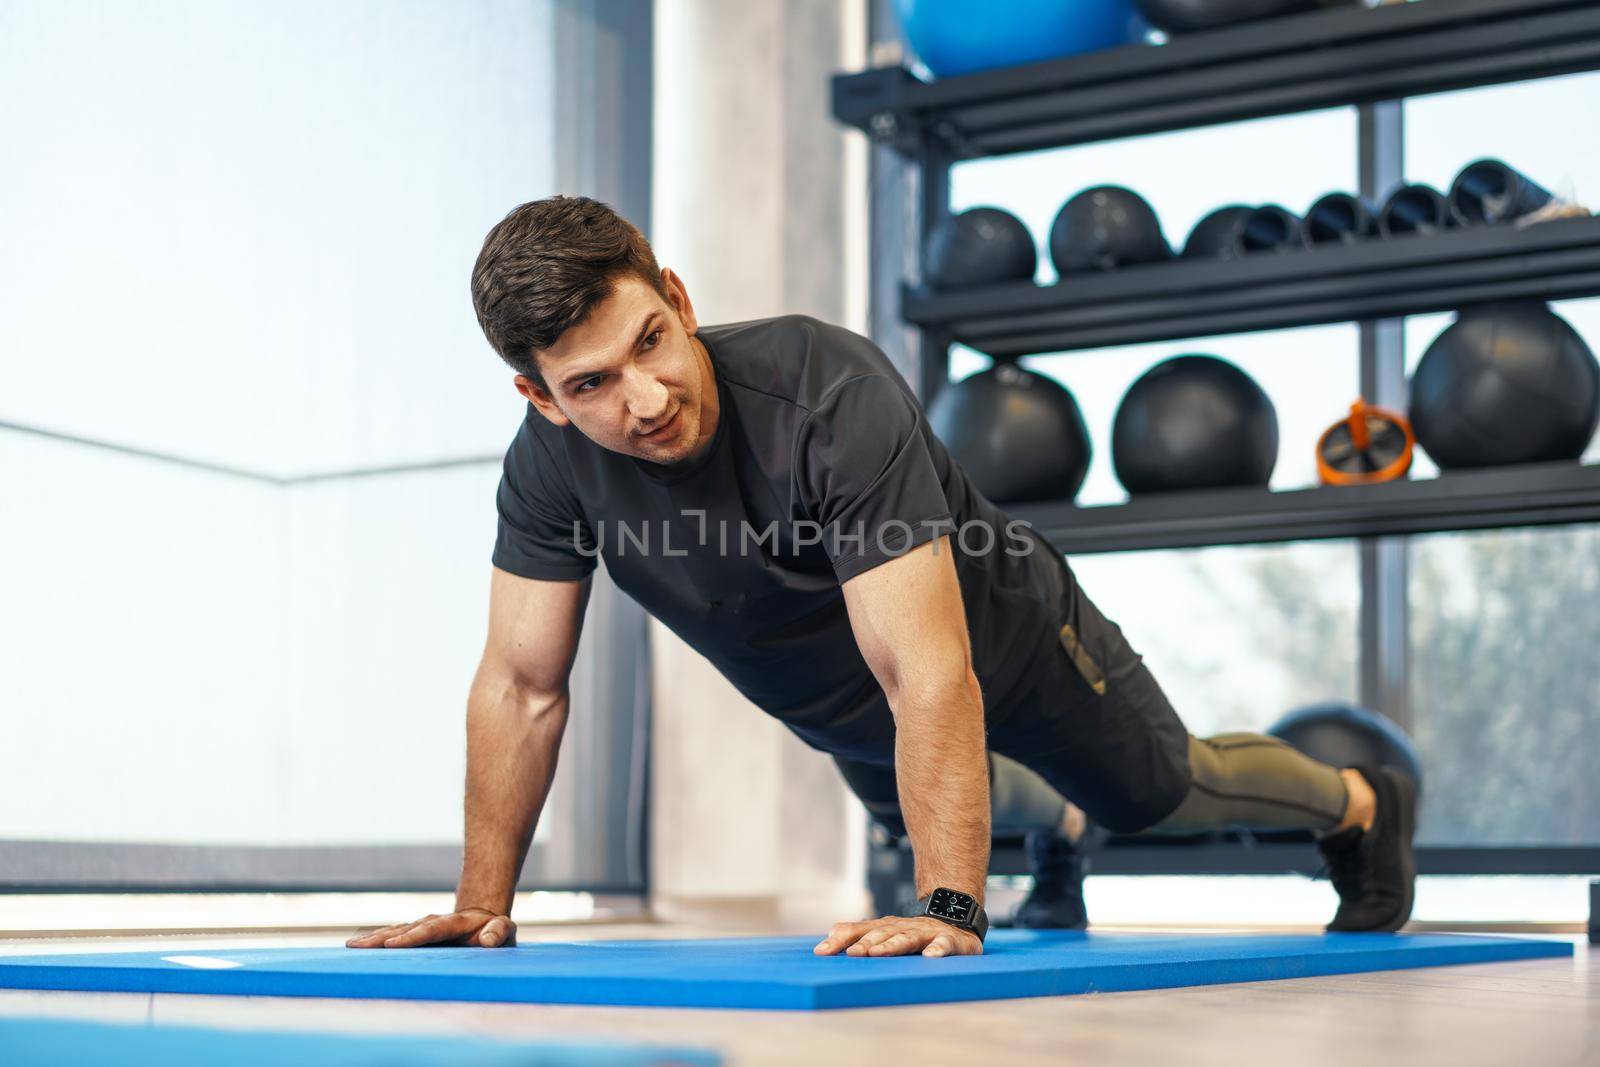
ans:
(899, 936)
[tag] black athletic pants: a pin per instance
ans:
(1097, 730)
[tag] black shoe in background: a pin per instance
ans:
(1375, 871)
(1058, 867)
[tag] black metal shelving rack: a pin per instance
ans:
(1528, 495)
(1186, 298)
(1326, 59)
(1367, 58)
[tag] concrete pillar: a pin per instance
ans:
(760, 204)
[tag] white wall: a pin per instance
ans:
(192, 657)
(759, 203)
(242, 233)
(142, 640)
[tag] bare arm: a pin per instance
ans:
(912, 629)
(516, 715)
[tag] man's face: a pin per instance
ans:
(631, 377)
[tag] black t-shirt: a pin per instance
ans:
(822, 468)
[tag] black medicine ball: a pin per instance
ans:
(1194, 422)
(1186, 16)
(1216, 236)
(1104, 228)
(1018, 435)
(1506, 383)
(980, 246)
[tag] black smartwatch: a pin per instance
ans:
(957, 909)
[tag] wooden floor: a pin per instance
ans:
(1530, 1012)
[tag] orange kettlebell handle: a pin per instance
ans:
(1361, 438)
(1358, 424)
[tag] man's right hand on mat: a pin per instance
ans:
(895, 935)
(478, 927)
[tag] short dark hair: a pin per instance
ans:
(545, 266)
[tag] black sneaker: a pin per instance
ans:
(1058, 865)
(1375, 871)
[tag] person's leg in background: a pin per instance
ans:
(1020, 801)
(874, 785)
(1055, 840)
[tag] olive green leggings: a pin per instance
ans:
(1258, 783)
(1238, 780)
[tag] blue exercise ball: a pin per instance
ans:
(962, 36)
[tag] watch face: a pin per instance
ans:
(948, 904)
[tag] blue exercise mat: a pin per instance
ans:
(62, 1043)
(775, 972)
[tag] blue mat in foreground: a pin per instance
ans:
(776, 972)
(63, 1043)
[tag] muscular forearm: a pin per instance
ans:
(512, 740)
(943, 775)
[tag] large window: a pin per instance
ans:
(1505, 685)
(251, 437)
